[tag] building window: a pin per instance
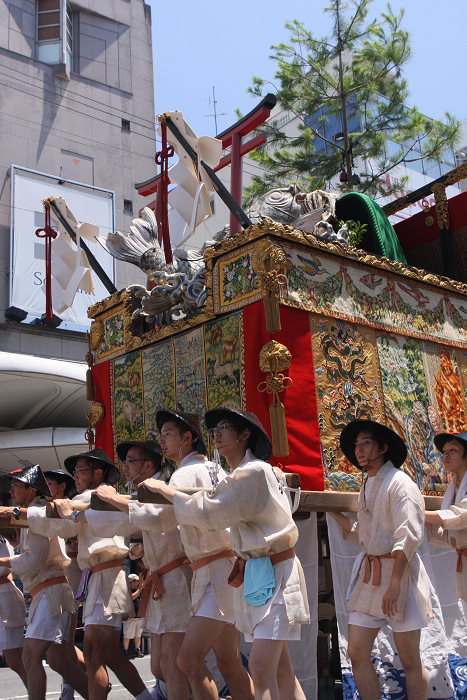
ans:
(128, 206)
(212, 206)
(125, 125)
(54, 40)
(48, 31)
(69, 38)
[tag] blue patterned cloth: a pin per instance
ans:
(259, 581)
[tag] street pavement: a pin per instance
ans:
(11, 687)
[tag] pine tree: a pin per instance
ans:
(348, 85)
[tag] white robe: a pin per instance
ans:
(111, 583)
(453, 533)
(252, 503)
(391, 520)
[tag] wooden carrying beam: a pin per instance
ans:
(7, 526)
(145, 496)
(345, 502)
(52, 512)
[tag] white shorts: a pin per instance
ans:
(46, 627)
(275, 625)
(12, 638)
(131, 628)
(208, 608)
(97, 617)
(412, 619)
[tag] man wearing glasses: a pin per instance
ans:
(166, 616)
(212, 620)
(103, 588)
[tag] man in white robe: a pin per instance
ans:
(12, 616)
(62, 485)
(40, 562)
(166, 616)
(251, 501)
(391, 587)
(448, 527)
(104, 584)
(211, 625)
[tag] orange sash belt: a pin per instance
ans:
(106, 565)
(7, 578)
(375, 558)
(199, 563)
(460, 553)
(51, 582)
(153, 581)
(237, 574)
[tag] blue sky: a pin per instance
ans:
(200, 45)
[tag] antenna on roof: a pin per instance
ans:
(216, 113)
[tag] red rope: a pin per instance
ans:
(162, 214)
(48, 233)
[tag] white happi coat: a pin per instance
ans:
(111, 583)
(198, 542)
(453, 532)
(12, 605)
(172, 611)
(391, 520)
(41, 558)
(252, 503)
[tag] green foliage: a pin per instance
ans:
(356, 71)
(356, 231)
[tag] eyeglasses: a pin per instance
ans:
(81, 471)
(219, 429)
(129, 462)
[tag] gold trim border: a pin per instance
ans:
(220, 308)
(284, 234)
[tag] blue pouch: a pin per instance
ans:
(259, 581)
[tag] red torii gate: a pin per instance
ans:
(233, 138)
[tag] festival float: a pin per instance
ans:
(281, 316)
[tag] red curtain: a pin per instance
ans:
(299, 400)
(104, 435)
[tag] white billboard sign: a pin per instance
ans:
(28, 251)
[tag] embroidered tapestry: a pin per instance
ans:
(423, 396)
(348, 387)
(350, 291)
(128, 406)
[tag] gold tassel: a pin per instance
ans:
(89, 385)
(267, 261)
(273, 357)
(271, 312)
(280, 442)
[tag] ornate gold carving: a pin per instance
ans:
(459, 173)
(268, 261)
(274, 357)
(395, 206)
(96, 414)
(96, 334)
(284, 234)
(100, 306)
(442, 208)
